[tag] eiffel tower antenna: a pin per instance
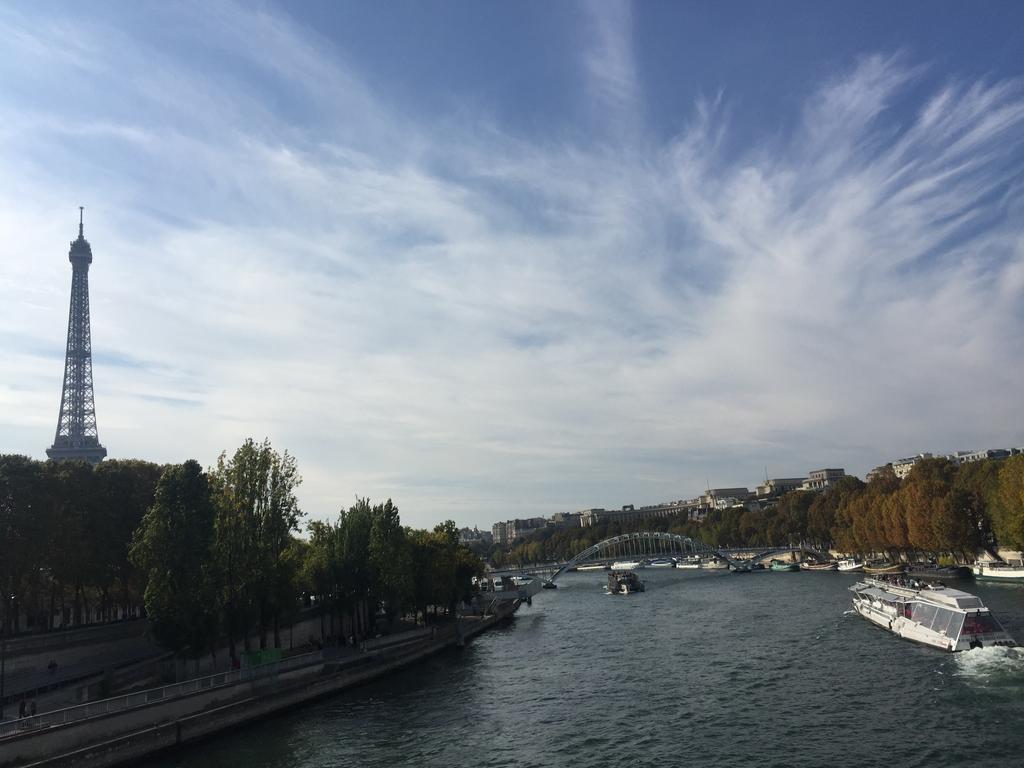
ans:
(77, 436)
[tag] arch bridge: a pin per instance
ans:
(643, 544)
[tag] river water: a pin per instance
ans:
(704, 668)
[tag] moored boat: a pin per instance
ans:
(883, 567)
(806, 566)
(747, 567)
(850, 565)
(592, 567)
(933, 571)
(662, 562)
(627, 565)
(782, 565)
(624, 582)
(998, 572)
(936, 616)
(714, 564)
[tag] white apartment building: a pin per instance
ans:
(820, 479)
(902, 467)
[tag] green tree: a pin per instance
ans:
(1008, 511)
(389, 558)
(125, 491)
(174, 547)
(823, 511)
(24, 510)
(74, 547)
(257, 510)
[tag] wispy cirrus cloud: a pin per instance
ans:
(482, 324)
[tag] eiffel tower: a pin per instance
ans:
(77, 437)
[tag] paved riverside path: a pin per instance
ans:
(36, 679)
(112, 736)
(85, 654)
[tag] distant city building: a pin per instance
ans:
(778, 486)
(992, 454)
(474, 535)
(516, 529)
(629, 512)
(902, 467)
(820, 479)
(878, 472)
(712, 496)
(681, 508)
(566, 519)
(499, 532)
(593, 516)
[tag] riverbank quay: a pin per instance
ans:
(118, 731)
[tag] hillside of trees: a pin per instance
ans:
(209, 556)
(941, 509)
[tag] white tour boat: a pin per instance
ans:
(850, 565)
(999, 572)
(937, 616)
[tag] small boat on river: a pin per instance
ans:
(880, 567)
(662, 562)
(782, 565)
(937, 572)
(850, 565)
(623, 583)
(592, 567)
(999, 572)
(937, 616)
(714, 564)
(748, 567)
(806, 566)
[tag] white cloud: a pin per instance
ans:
(482, 326)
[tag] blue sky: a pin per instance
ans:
(499, 260)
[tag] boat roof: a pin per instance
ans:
(954, 598)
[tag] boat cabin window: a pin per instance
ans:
(923, 613)
(955, 622)
(981, 624)
(969, 602)
(937, 619)
(941, 621)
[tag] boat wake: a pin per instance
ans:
(993, 665)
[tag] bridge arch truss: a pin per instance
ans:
(643, 544)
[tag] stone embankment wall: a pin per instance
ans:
(114, 739)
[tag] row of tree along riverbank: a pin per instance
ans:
(209, 556)
(939, 509)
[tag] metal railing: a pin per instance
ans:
(155, 695)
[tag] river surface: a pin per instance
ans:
(704, 668)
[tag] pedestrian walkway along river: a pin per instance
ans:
(704, 668)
